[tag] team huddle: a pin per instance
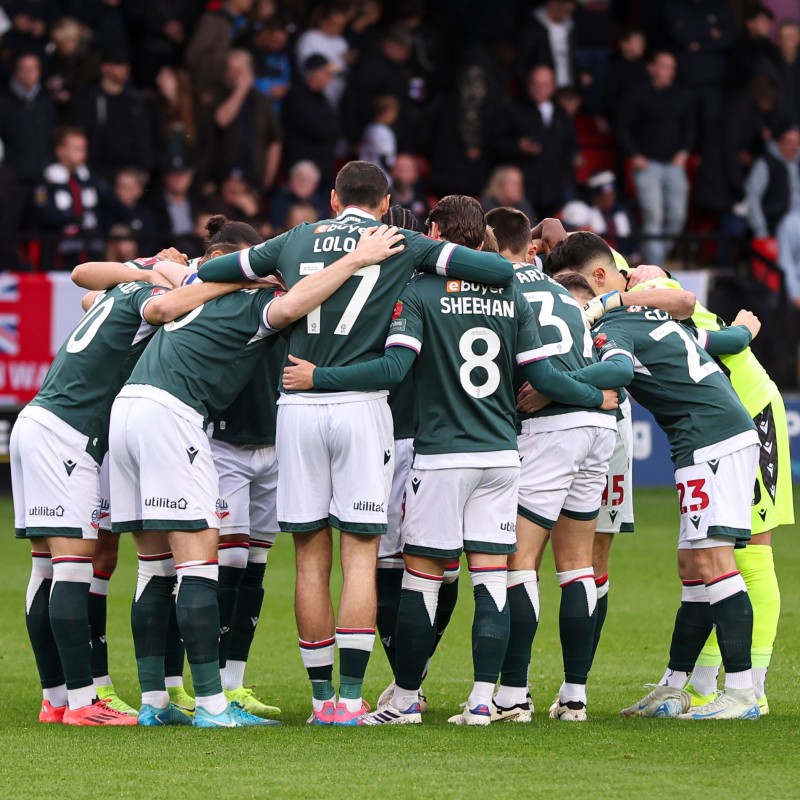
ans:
(426, 396)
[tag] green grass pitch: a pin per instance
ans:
(607, 758)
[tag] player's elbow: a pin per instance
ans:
(684, 307)
(81, 275)
(161, 310)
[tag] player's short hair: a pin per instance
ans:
(221, 231)
(63, 132)
(490, 241)
(460, 219)
(578, 252)
(512, 229)
(360, 183)
(575, 283)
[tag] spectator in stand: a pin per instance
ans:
(470, 120)
(549, 39)
(593, 38)
(271, 59)
(655, 130)
(773, 185)
(380, 72)
(174, 206)
(10, 207)
(506, 188)
(540, 138)
(789, 255)
(236, 200)
(159, 28)
(785, 70)
(701, 32)
(313, 125)
(361, 32)
(743, 124)
(302, 187)
(207, 52)
(123, 244)
(29, 23)
(105, 19)
(27, 118)
(249, 133)
(71, 67)
(608, 217)
(297, 214)
(125, 207)
(406, 188)
(756, 48)
(65, 204)
(325, 37)
(177, 132)
(117, 120)
(379, 143)
(627, 70)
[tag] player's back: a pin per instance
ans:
(566, 339)
(97, 358)
(205, 357)
(350, 326)
(464, 373)
(674, 378)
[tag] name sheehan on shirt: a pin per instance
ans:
(477, 305)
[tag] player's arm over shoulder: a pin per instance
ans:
(454, 261)
(663, 293)
(248, 264)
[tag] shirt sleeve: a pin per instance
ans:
(265, 298)
(540, 373)
(616, 371)
(380, 373)
(141, 297)
(454, 261)
(728, 341)
(611, 340)
(407, 326)
(247, 264)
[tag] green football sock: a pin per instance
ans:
(98, 613)
(448, 597)
(577, 617)
(733, 618)
(230, 579)
(390, 581)
(757, 566)
(175, 654)
(354, 646)
(249, 601)
(150, 612)
(416, 627)
(491, 623)
(602, 610)
(198, 621)
(693, 623)
(523, 608)
(37, 621)
(69, 618)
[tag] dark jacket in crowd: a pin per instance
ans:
(622, 78)
(749, 56)
(313, 128)
(655, 123)
(534, 50)
(787, 78)
(471, 116)
(26, 128)
(243, 144)
(547, 174)
(119, 128)
(692, 22)
(721, 177)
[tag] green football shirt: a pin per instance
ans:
(750, 380)
(251, 419)
(468, 338)
(566, 341)
(350, 327)
(93, 364)
(206, 357)
(677, 381)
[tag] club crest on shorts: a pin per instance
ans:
(222, 509)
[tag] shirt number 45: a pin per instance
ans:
(691, 495)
